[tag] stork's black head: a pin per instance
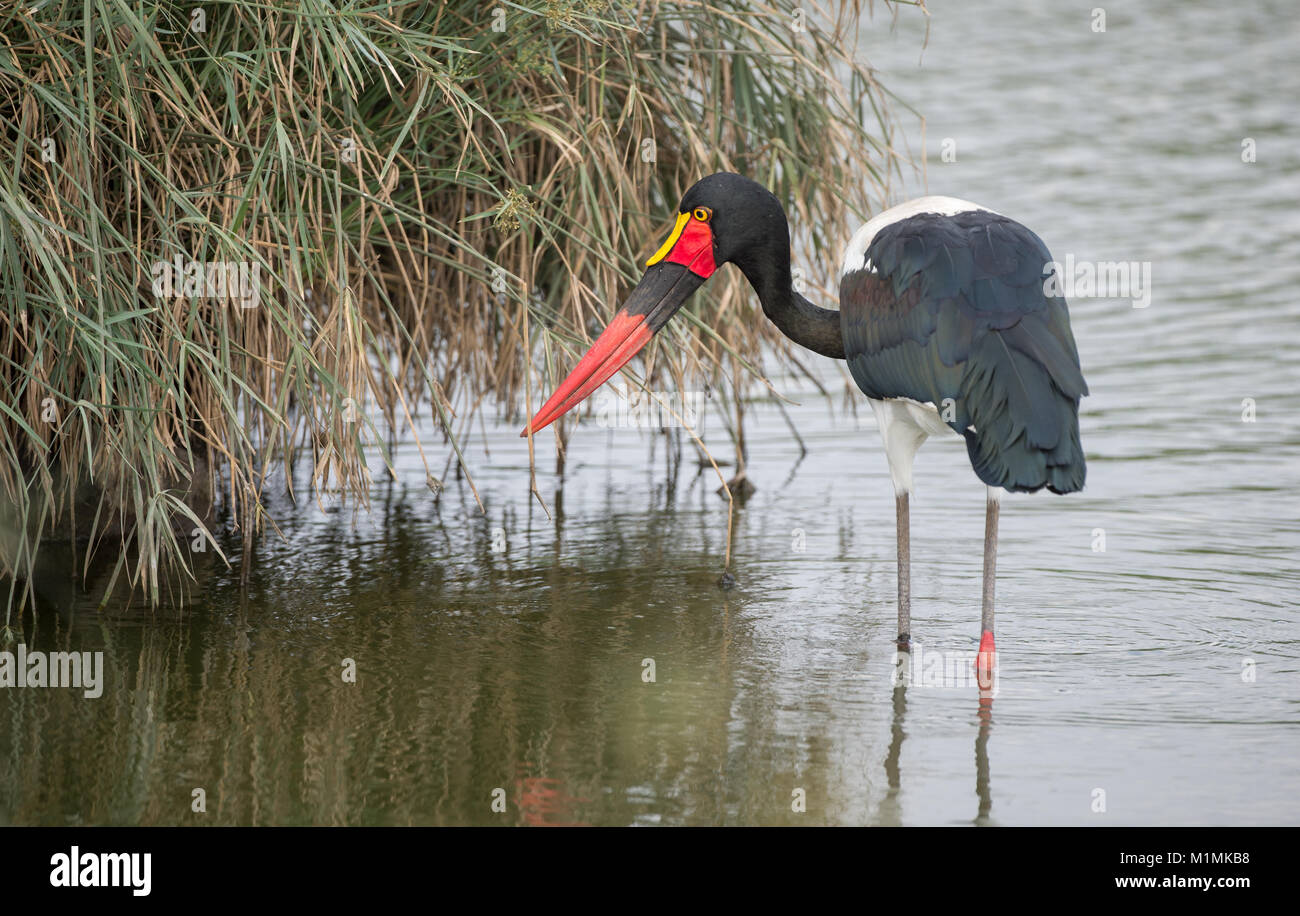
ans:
(746, 221)
(723, 218)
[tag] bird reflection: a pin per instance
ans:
(890, 810)
(543, 800)
(982, 789)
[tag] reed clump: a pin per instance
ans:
(238, 238)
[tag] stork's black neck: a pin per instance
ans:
(750, 230)
(808, 325)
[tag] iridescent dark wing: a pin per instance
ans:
(952, 310)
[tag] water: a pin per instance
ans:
(1126, 670)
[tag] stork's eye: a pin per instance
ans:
(702, 214)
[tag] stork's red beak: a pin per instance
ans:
(678, 269)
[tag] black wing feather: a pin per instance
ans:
(953, 307)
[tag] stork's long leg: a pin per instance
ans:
(987, 654)
(902, 435)
(904, 573)
(990, 560)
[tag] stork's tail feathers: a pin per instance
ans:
(1025, 417)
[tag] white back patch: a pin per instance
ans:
(856, 251)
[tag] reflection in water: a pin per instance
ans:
(890, 808)
(982, 762)
(475, 670)
(543, 802)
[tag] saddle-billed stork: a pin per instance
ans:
(945, 321)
